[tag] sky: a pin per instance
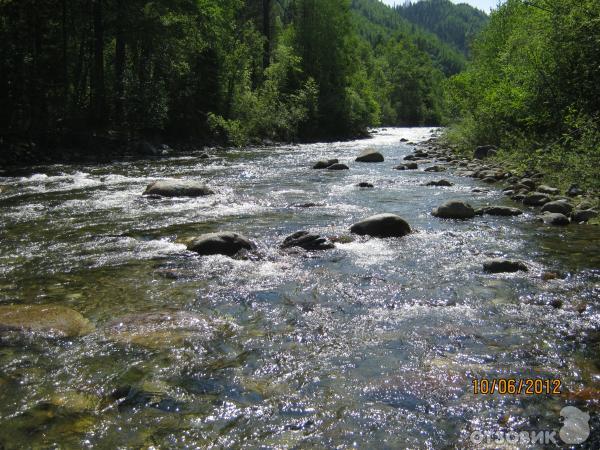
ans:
(484, 5)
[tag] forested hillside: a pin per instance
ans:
(213, 70)
(454, 24)
(533, 89)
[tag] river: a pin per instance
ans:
(374, 344)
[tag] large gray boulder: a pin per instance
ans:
(370, 155)
(224, 243)
(558, 206)
(504, 265)
(382, 226)
(484, 151)
(177, 188)
(50, 320)
(325, 163)
(307, 241)
(454, 209)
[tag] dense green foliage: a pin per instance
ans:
(453, 24)
(534, 88)
(234, 70)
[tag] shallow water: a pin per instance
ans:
(374, 344)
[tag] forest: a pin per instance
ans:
(89, 73)
(533, 90)
(224, 71)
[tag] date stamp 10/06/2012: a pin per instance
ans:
(516, 386)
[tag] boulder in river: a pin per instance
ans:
(435, 169)
(325, 163)
(177, 188)
(224, 243)
(52, 320)
(454, 209)
(583, 215)
(504, 265)
(554, 219)
(382, 226)
(370, 155)
(440, 183)
(365, 184)
(558, 206)
(484, 151)
(338, 166)
(536, 199)
(501, 211)
(307, 241)
(407, 166)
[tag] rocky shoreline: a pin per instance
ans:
(573, 206)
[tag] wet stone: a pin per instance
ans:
(454, 209)
(504, 266)
(307, 241)
(50, 320)
(382, 226)
(178, 188)
(224, 243)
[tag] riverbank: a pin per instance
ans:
(522, 184)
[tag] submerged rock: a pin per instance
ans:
(338, 166)
(48, 319)
(370, 155)
(454, 209)
(307, 241)
(554, 219)
(558, 206)
(307, 205)
(504, 265)
(162, 329)
(501, 211)
(325, 163)
(224, 243)
(364, 184)
(440, 183)
(382, 226)
(177, 188)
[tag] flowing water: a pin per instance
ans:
(373, 344)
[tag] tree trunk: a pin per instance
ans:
(120, 66)
(267, 33)
(98, 91)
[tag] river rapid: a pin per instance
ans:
(374, 344)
